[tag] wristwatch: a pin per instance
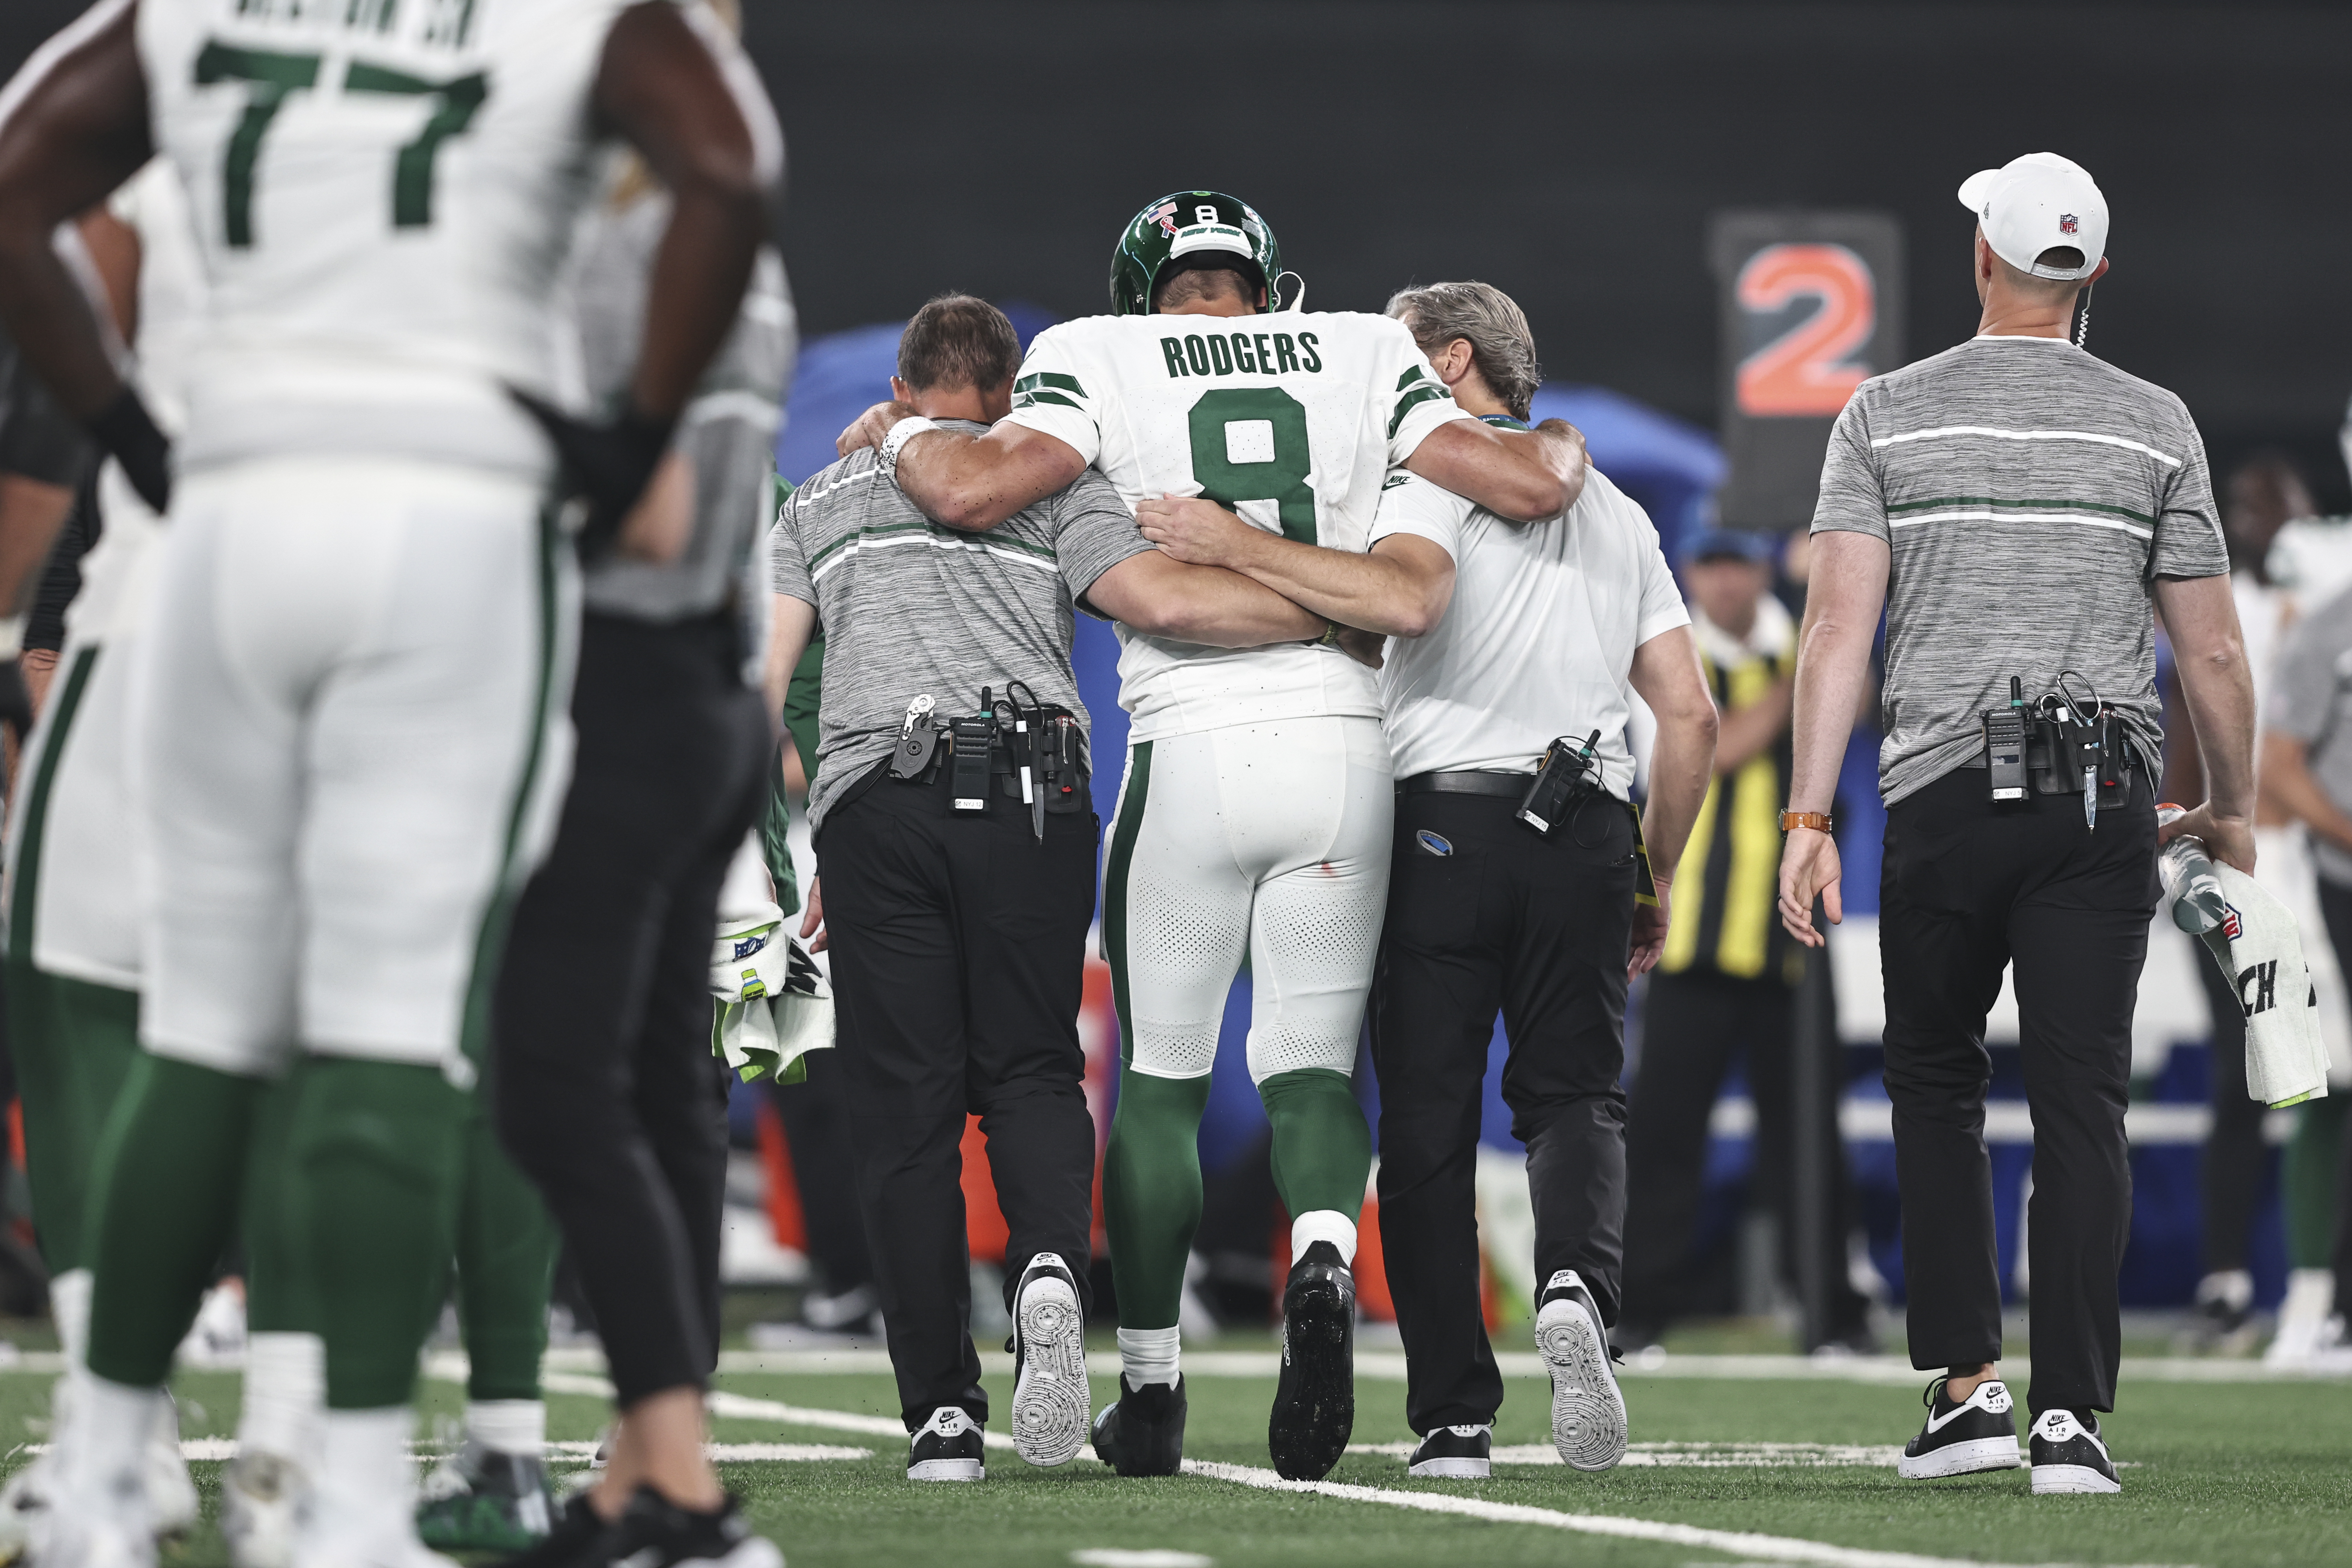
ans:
(1819, 821)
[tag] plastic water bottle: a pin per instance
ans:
(2198, 904)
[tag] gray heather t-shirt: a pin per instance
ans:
(727, 432)
(2030, 494)
(2311, 699)
(909, 607)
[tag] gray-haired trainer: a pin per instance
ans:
(2069, 1455)
(1962, 1437)
(1588, 1413)
(949, 1447)
(1456, 1453)
(1049, 1378)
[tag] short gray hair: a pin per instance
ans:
(1501, 346)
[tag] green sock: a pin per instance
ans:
(367, 1208)
(1322, 1149)
(74, 1043)
(273, 1303)
(2307, 1183)
(1151, 1193)
(162, 1205)
(505, 1265)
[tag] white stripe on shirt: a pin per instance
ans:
(1942, 431)
(1046, 565)
(2024, 516)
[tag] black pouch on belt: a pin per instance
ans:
(973, 738)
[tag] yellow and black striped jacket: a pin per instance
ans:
(1723, 918)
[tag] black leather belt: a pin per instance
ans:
(1508, 786)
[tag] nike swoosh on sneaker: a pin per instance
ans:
(1937, 1423)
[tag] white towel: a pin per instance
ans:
(2261, 952)
(772, 1004)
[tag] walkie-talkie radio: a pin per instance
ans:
(1569, 773)
(2004, 733)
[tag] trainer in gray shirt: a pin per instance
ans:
(911, 608)
(2031, 494)
(2311, 703)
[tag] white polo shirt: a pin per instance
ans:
(1539, 638)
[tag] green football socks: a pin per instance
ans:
(1151, 1193)
(74, 1045)
(162, 1205)
(506, 1264)
(1322, 1148)
(372, 1167)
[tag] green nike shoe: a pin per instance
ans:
(478, 1499)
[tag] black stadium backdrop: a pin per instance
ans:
(1575, 154)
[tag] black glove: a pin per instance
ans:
(608, 465)
(128, 431)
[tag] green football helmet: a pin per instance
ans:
(1183, 223)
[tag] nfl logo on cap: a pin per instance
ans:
(2066, 224)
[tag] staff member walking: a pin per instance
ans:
(957, 901)
(1506, 638)
(1728, 979)
(2019, 508)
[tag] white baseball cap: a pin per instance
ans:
(2032, 204)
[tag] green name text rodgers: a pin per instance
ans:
(1257, 353)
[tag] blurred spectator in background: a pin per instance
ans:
(2262, 495)
(1728, 976)
(2306, 760)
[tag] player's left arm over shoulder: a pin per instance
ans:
(1113, 572)
(1523, 476)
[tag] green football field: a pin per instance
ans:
(1735, 1460)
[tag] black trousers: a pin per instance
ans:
(958, 954)
(2230, 1169)
(1966, 890)
(606, 1092)
(1537, 927)
(1692, 1023)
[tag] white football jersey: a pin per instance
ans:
(384, 192)
(1290, 419)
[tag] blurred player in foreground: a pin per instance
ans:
(361, 639)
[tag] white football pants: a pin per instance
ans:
(350, 741)
(1272, 837)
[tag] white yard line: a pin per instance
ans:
(1388, 1366)
(1738, 1543)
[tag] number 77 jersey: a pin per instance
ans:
(382, 192)
(1291, 420)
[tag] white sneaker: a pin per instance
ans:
(262, 1496)
(2301, 1318)
(217, 1339)
(1587, 1413)
(1050, 1400)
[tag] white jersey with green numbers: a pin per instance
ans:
(382, 192)
(1290, 419)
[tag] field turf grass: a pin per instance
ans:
(2222, 1474)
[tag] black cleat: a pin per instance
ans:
(949, 1447)
(1979, 1432)
(1143, 1433)
(480, 1500)
(1315, 1405)
(1456, 1453)
(2069, 1456)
